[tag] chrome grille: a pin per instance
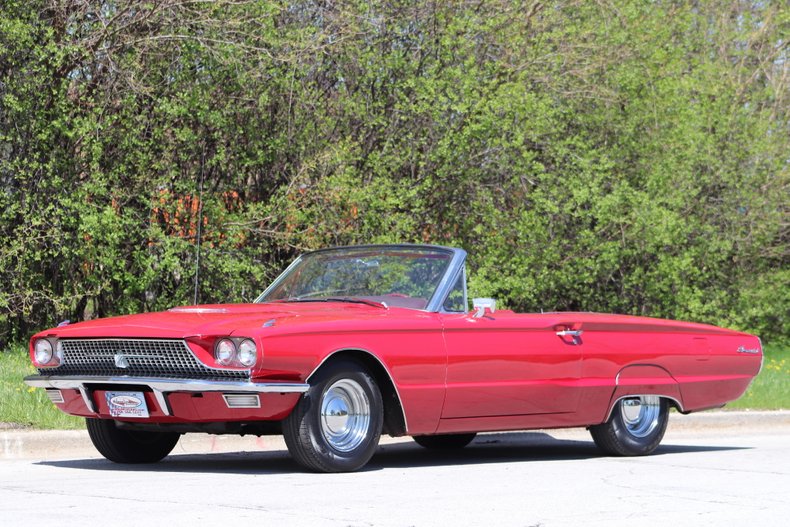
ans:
(142, 358)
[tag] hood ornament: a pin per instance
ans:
(121, 361)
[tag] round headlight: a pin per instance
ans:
(248, 353)
(224, 351)
(43, 350)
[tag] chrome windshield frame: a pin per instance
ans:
(448, 281)
(462, 273)
(456, 265)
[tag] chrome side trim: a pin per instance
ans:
(389, 374)
(164, 385)
(611, 406)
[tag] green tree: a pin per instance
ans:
(612, 156)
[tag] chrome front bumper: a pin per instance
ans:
(161, 386)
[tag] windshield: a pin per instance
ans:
(395, 276)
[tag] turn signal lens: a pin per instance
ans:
(43, 352)
(225, 351)
(248, 353)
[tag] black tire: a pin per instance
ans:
(444, 441)
(129, 446)
(346, 444)
(637, 435)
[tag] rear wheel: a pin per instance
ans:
(337, 424)
(635, 428)
(129, 446)
(444, 441)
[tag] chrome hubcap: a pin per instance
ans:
(640, 414)
(345, 415)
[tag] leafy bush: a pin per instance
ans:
(625, 157)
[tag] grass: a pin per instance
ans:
(23, 406)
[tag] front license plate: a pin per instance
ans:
(127, 404)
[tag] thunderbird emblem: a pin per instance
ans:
(121, 361)
(741, 349)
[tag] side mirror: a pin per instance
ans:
(481, 305)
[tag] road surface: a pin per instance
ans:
(723, 473)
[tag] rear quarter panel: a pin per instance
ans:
(696, 365)
(724, 373)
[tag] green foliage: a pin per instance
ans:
(626, 156)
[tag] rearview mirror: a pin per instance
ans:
(480, 306)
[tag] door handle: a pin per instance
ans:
(570, 333)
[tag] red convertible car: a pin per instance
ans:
(349, 343)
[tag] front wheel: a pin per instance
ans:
(337, 424)
(129, 446)
(635, 428)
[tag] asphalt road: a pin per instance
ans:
(729, 472)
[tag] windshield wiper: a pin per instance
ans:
(348, 299)
(356, 300)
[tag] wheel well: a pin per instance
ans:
(394, 416)
(646, 379)
(671, 402)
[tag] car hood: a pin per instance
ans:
(217, 319)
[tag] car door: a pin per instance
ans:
(504, 364)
